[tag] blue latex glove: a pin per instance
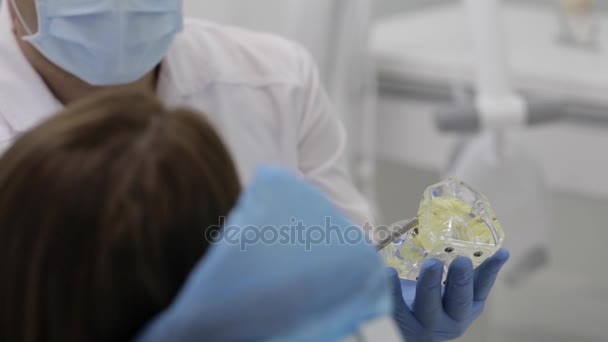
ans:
(278, 291)
(426, 311)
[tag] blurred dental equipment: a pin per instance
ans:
(495, 107)
(471, 58)
(484, 161)
(433, 119)
(505, 171)
(497, 104)
(578, 23)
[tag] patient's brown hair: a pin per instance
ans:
(102, 216)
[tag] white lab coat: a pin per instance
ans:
(262, 93)
(339, 42)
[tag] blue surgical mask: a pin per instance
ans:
(105, 42)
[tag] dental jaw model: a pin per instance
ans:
(453, 220)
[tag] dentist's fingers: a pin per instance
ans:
(486, 274)
(428, 306)
(458, 296)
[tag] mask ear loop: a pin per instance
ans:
(20, 17)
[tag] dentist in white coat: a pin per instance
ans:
(262, 93)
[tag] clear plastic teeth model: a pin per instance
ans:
(453, 220)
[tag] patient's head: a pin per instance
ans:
(102, 216)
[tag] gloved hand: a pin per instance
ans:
(426, 311)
